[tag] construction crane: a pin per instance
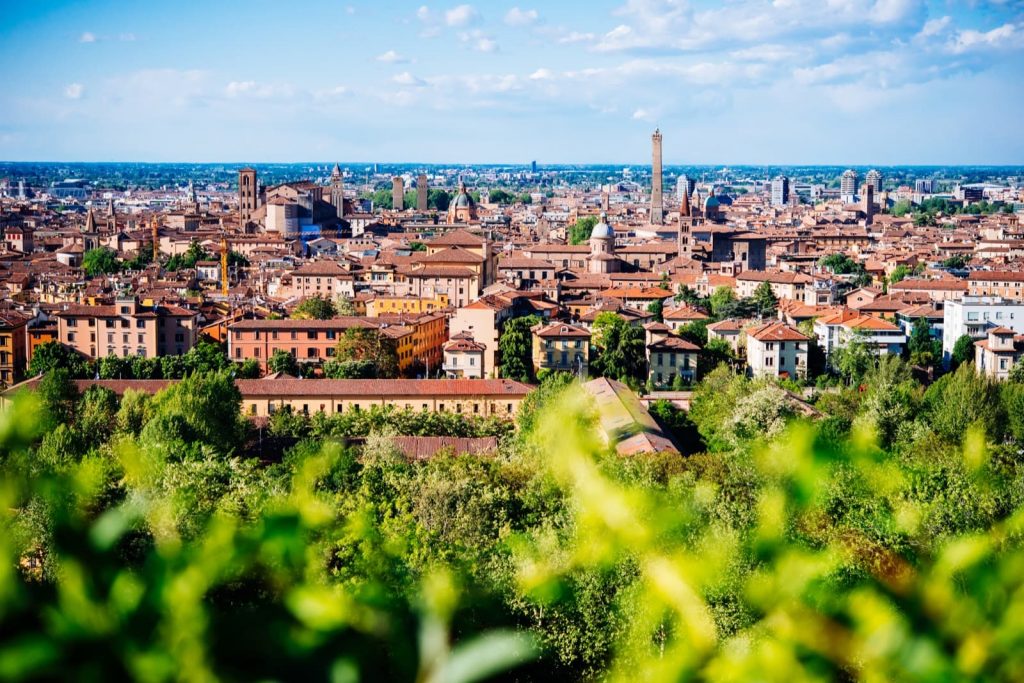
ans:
(155, 226)
(224, 265)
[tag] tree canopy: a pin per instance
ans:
(100, 261)
(516, 347)
(315, 308)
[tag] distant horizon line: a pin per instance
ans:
(527, 164)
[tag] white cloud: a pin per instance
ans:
(261, 91)
(542, 75)
(334, 93)
(576, 37)
(1005, 36)
(480, 41)
(521, 17)
(642, 115)
(87, 37)
(406, 78)
(127, 37)
(74, 91)
(933, 27)
(424, 14)
(462, 15)
(391, 57)
(486, 45)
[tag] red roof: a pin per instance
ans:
(776, 331)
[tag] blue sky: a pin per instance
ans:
(742, 81)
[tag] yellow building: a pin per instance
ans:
(262, 397)
(560, 346)
(394, 305)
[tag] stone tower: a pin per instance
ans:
(338, 192)
(397, 193)
(248, 195)
(657, 205)
(421, 192)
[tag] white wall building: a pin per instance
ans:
(974, 315)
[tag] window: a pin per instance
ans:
(141, 324)
(71, 336)
(311, 334)
(72, 322)
(179, 337)
(110, 323)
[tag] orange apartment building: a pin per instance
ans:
(309, 341)
(1007, 284)
(127, 328)
(416, 338)
(13, 352)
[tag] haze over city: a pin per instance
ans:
(785, 82)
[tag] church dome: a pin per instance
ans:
(602, 231)
(711, 203)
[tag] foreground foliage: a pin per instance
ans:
(879, 542)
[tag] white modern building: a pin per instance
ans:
(974, 316)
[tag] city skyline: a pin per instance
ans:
(853, 82)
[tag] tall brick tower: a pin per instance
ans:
(397, 193)
(421, 192)
(657, 204)
(248, 194)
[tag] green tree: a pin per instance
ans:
(193, 255)
(957, 261)
(902, 208)
(579, 232)
(115, 367)
(248, 369)
(439, 200)
(368, 346)
(765, 300)
(283, 361)
(52, 355)
(200, 409)
(1017, 372)
(715, 353)
(900, 272)
(621, 352)
(720, 299)
(100, 261)
(961, 400)
(655, 308)
(315, 308)
(58, 395)
(853, 359)
(963, 351)
(516, 347)
(205, 357)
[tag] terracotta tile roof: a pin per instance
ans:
(380, 388)
(425, 447)
(776, 331)
(672, 343)
(460, 237)
(557, 330)
(996, 276)
(683, 313)
(453, 255)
